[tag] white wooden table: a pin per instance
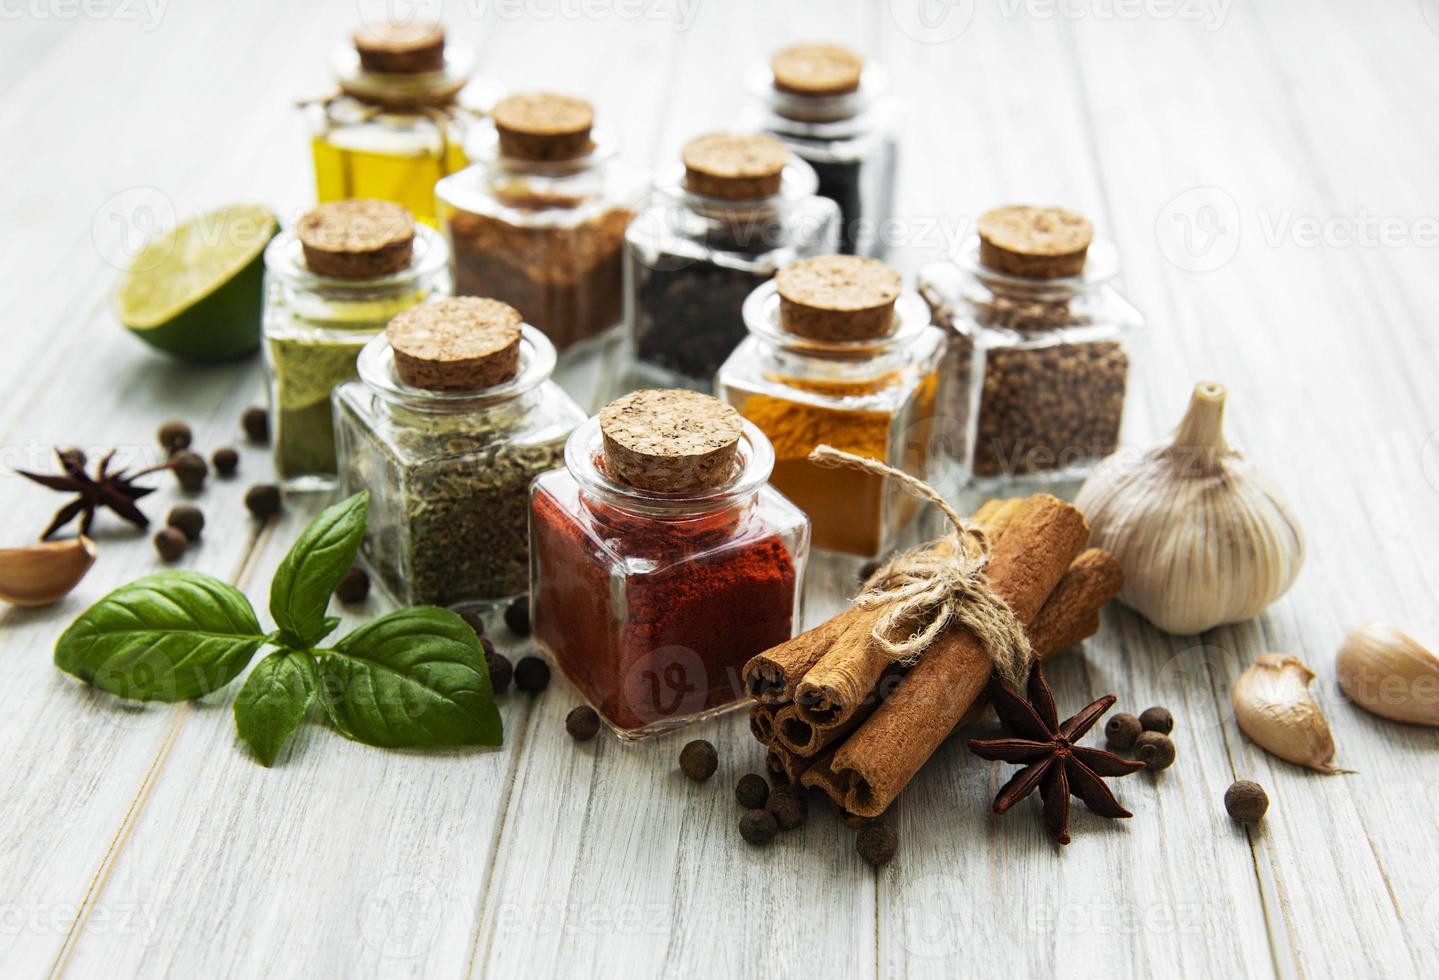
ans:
(144, 840)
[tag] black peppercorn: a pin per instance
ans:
(877, 843)
(758, 827)
(517, 616)
(256, 423)
(501, 670)
(532, 675)
(188, 520)
(476, 621)
(170, 543)
(751, 791)
(225, 460)
(1157, 720)
(190, 470)
(789, 806)
(1155, 750)
(582, 723)
(1246, 801)
(175, 436)
(263, 499)
(1121, 730)
(354, 587)
(699, 760)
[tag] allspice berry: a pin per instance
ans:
(354, 586)
(517, 616)
(532, 675)
(170, 543)
(758, 826)
(226, 461)
(582, 723)
(188, 519)
(1122, 730)
(190, 469)
(1246, 801)
(867, 570)
(501, 670)
(1155, 750)
(263, 500)
(1157, 720)
(476, 622)
(256, 423)
(877, 843)
(789, 806)
(175, 436)
(699, 760)
(751, 791)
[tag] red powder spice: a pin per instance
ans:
(651, 618)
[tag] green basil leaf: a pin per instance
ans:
(273, 702)
(167, 637)
(300, 591)
(413, 679)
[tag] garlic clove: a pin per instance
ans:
(1387, 672)
(41, 574)
(1273, 706)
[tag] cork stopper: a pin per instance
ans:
(734, 167)
(837, 297)
(356, 238)
(670, 441)
(543, 126)
(817, 69)
(401, 49)
(1034, 243)
(461, 344)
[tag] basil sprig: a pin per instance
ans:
(415, 678)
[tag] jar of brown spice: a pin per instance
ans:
(1040, 347)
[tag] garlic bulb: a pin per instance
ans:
(1387, 672)
(1201, 536)
(1273, 706)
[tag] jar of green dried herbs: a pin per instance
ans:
(331, 284)
(453, 416)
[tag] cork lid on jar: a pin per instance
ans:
(817, 70)
(670, 441)
(460, 344)
(734, 166)
(837, 298)
(1034, 243)
(401, 49)
(543, 126)
(356, 238)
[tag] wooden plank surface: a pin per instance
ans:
(143, 841)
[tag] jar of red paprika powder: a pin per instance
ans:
(661, 559)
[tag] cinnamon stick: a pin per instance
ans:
(1071, 613)
(771, 677)
(761, 723)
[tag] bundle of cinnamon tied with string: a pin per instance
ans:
(855, 706)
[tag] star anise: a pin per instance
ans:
(116, 491)
(1051, 759)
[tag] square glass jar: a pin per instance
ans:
(546, 237)
(1035, 379)
(691, 260)
(315, 327)
(650, 603)
(449, 473)
(875, 398)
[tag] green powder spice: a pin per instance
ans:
(305, 372)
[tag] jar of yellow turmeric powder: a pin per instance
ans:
(839, 353)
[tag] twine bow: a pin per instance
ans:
(927, 589)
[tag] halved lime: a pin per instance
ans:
(196, 289)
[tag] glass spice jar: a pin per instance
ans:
(834, 111)
(661, 560)
(539, 220)
(400, 119)
(330, 286)
(453, 416)
(838, 354)
(1040, 347)
(738, 209)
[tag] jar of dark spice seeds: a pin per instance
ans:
(330, 286)
(1040, 347)
(833, 111)
(539, 220)
(453, 415)
(738, 209)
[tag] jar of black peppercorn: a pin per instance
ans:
(1041, 345)
(740, 208)
(833, 111)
